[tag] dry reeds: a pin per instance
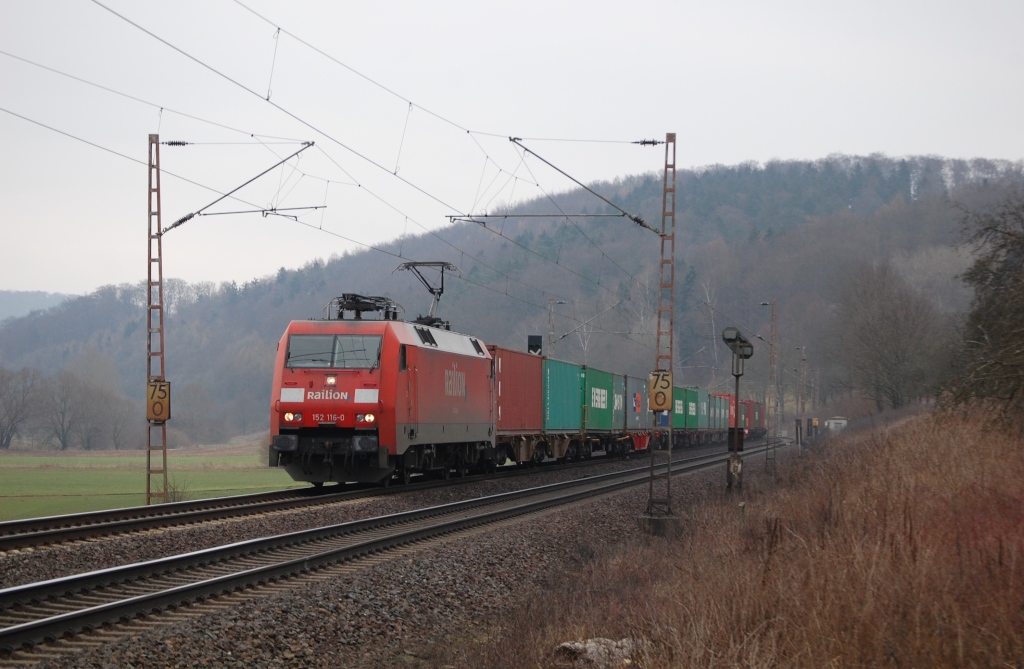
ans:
(899, 547)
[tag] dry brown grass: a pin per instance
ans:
(901, 547)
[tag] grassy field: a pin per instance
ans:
(896, 547)
(44, 483)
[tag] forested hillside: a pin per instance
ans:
(790, 232)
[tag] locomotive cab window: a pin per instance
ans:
(334, 351)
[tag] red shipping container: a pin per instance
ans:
(518, 391)
(746, 408)
(732, 407)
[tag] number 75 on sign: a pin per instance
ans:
(659, 390)
(158, 401)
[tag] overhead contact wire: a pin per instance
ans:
(145, 102)
(633, 218)
(121, 155)
(277, 106)
(308, 124)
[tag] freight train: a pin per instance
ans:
(371, 399)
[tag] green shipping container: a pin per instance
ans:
(678, 408)
(703, 409)
(717, 414)
(690, 407)
(599, 400)
(563, 396)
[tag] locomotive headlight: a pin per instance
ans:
(331, 380)
(289, 417)
(369, 418)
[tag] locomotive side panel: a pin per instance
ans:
(450, 393)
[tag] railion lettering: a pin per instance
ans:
(327, 395)
(454, 382)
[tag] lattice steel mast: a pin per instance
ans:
(156, 430)
(662, 506)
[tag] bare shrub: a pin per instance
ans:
(177, 489)
(896, 547)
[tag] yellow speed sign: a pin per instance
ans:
(659, 390)
(158, 401)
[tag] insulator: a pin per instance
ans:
(177, 142)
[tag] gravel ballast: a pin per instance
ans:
(393, 613)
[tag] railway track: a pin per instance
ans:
(50, 610)
(36, 532)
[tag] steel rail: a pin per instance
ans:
(53, 627)
(33, 532)
(50, 530)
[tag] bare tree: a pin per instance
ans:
(61, 407)
(124, 426)
(192, 408)
(991, 360)
(887, 334)
(18, 392)
(92, 407)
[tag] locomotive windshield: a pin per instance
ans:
(334, 351)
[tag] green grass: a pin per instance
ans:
(47, 484)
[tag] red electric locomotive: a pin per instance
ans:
(365, 399)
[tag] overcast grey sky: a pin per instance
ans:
(432, 91)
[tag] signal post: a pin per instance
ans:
(741, 350)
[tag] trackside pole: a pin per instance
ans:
(741, 350)
(158, 390)
(658, 518)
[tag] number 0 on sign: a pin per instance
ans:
(659, 390)
(158, 401)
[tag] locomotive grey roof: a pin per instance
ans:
(425, 336)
